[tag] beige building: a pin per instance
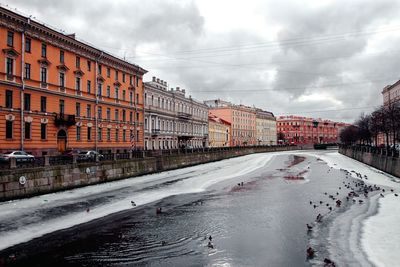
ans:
(219, 132)
(265, 128)
(391, 93)
(172, 119)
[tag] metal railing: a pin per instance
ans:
(383, 151)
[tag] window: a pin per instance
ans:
(27, 102)
(123, 77)
(123, 115)
(9, 99)
(131, 135)
(116, 134)
(43, 131)
(99, 133)
(88, 111)
(61, 106)
(137, 98)
(78, 133)
(89, 133)
(89, 85)
(78, 62)
(137, 135)
(78, 109)
(99, 90)
(27, 71)
(89, 65)
(137, 116)
(44, 50)
(28, 45)
(10, 39)
(116, 92)
(108, 134)
(131, 98)
(108, 114)
(124, 135)
(43, 104)
(99, 69)
(43, 75)
(116, 75)
(130, 80)
(99, 112)
(27, 130)
(108, 91)
(123, 95)
(78, 84)
(10, 66)
(130, 116)
(9, 129)
(116, 117)
(108, 72)
(62, 56)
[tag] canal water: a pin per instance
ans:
(255, 208)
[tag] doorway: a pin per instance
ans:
(61, 141)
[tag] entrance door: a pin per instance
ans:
(61, 141)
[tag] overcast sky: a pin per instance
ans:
(318, 58)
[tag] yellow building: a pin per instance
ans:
(219, 132)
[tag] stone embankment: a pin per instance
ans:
(24, 182)
(383, 159)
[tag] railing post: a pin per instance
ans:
(74, 158)
(130, 155)
(115, 156)
(13, 163)
(46, 160)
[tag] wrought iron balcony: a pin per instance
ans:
(155, 132)
(184, 115)
(64, 120)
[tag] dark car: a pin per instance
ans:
(70, 153)
(89, 155)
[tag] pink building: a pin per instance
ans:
(302, 130)
(242, 119)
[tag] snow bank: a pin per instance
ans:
(381, 233)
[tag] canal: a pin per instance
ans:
(255, 208)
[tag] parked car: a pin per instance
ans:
(89, 155)
(20, 156)
(70, 153)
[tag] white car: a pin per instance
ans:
(18, 155)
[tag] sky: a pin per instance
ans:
(316, 58)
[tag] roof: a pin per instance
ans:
(213, 118)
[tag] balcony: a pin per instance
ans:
(64, 120)
(155, 132)
(184, 115)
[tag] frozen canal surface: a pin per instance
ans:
(259, 223)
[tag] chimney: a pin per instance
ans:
(154, 78)
(165, 83)
(72, 35)
(177, 89)
(158, 80)
(183, 91)
(162, 82)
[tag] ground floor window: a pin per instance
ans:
(89, 133)
(108, 134)
(27, 130)
(43, 131)
(78, 133)
(9, 129)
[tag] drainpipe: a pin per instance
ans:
(96, 104)
(23, 84)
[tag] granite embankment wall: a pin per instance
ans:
(41, 180)
(382, 161)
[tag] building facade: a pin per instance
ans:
(219, 132)
(58, 93)
(173, 120)
(266, 128)
(391, 94)
(242, 119)
(303, 130)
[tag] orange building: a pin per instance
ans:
(242, 119)
(58, 93)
